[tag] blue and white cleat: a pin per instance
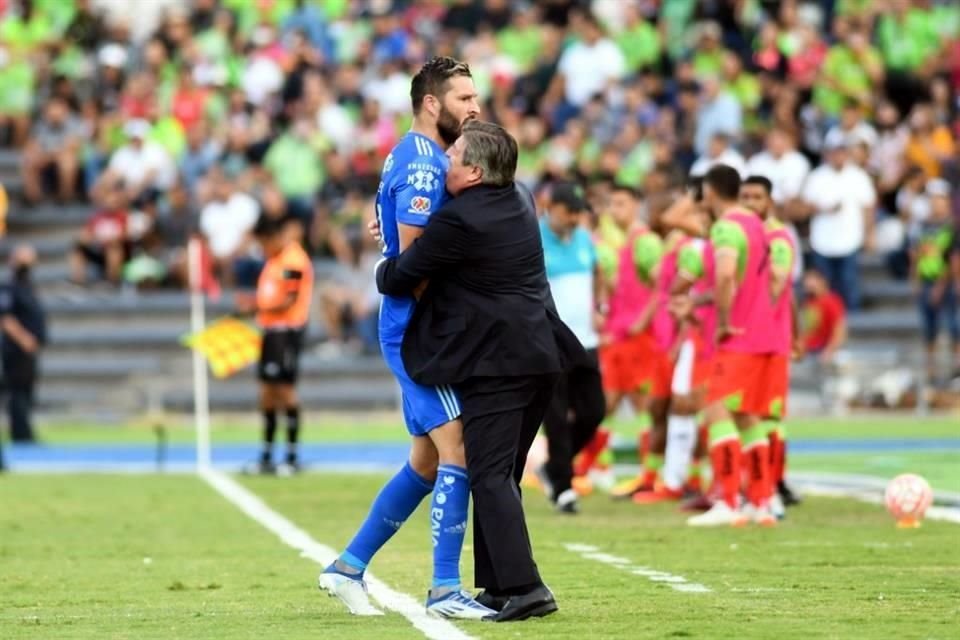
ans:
(457, 605)
(351, 590)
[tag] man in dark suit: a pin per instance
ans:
(486, 325)
(23, 331)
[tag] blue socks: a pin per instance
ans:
(394, 504)
(448, 523)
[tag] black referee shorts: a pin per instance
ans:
(280, 356)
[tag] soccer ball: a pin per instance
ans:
(908, 497)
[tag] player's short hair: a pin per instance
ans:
(762, 181)
(724, 180)
(490, 147)
(434, 77)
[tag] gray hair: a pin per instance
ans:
(490, 147)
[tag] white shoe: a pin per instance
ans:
(567, 502)
(457, 605)
(719, 515)
(603, 479)
(352, 592)
(777, 508)
(763, 516)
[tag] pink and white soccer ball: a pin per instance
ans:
(908, 497)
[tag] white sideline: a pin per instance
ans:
(294, 536)
(677, 583)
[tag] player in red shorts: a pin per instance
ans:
(756, 194)
(626, 339)
(673, 405)
(737, 389)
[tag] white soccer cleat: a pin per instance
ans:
(777, 507)
(763, 516)
(720, 515)
(352, 592)
(457, 605)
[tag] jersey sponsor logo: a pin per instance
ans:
(388, 164)
(420, 204)
(421, 180)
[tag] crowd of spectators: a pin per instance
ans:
(232, 108)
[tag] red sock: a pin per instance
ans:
(778, 457)
(725, 456)
(588, 455)
(759, 479)
(643, 445)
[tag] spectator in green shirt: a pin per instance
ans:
(852, 70)
(908, 38)
(521, 41)
(708, 57)
(297, 168)
(639, 40)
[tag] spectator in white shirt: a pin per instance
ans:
(226, 222)
(144, 169)
(719, 152)
(783, 165)
(841, 199)
(586, 68)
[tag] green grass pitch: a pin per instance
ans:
(140, 557)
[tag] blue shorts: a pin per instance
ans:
(424, 408)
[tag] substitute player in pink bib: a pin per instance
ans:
(737, 388)
(755, 194)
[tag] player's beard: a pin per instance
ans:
(448, 126)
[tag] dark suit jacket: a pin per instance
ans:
(487, 310)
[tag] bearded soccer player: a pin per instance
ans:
(626, 339)
(756, 195)
(745, 344)
(443, 97)
(282, 306)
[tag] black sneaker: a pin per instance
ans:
(289, 468)
(567, 502)
(790, 499)
(260, 468)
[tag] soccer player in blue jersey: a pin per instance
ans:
(411, 188)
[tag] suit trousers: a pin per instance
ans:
(576, 410)
(501, 417)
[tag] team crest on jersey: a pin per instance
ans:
(419, 204)
(421, 180)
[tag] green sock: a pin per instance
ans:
(653, 462)
(723, 430)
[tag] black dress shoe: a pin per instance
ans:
(535, 604)
(492, 601)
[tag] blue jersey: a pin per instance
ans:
(412, 187)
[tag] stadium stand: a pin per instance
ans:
(304, 99)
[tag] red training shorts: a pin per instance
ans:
(738, 381)
(777, 385)
(628, 366)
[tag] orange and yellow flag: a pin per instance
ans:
(228, 345)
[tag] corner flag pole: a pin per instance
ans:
(201, 393)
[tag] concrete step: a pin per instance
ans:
(48, 247)
(47, 216)
(9, 161)
(886, 323)
(881, 292)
